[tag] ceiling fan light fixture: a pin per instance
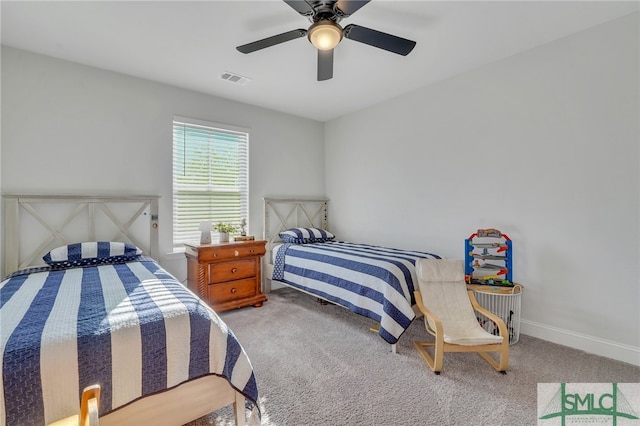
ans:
(325, 35)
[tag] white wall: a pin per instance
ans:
(543, 146)
(1, 206)
(72, 129)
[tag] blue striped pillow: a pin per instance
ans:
(91, 253)
(305, 235)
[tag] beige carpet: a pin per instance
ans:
(319, 365)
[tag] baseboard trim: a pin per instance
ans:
(584, 342)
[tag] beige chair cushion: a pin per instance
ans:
(444, 293)
(440, 269)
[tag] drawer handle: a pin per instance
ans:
(253, 250)
(234, 270)
(233, 290)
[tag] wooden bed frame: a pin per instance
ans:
(35, 224)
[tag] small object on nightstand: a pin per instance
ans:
(243, 226)
(244, 238)
(205, 232)
(226, 275)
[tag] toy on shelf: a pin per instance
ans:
(488, 258)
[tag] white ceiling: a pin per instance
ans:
(190, 44)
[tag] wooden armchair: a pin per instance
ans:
(449, 315)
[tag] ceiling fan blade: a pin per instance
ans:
(346, 8)
(272, 41)
(378, 39)
(325, 64)
(301, 6)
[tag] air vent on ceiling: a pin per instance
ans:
(235, 78)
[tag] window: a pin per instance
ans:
(210, 176)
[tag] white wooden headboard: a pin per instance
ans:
(35, 224)
(281, 214)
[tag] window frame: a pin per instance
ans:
(179, 237)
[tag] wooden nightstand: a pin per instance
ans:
(226, 275)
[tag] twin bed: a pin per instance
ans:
(373, 281)
(106, 313)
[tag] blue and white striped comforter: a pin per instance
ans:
(373, 281)
(130, 327)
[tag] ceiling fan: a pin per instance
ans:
(325, 32)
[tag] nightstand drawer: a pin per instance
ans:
(235, 270)
(232, 290)
(233, 252)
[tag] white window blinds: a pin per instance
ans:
(210, 176)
